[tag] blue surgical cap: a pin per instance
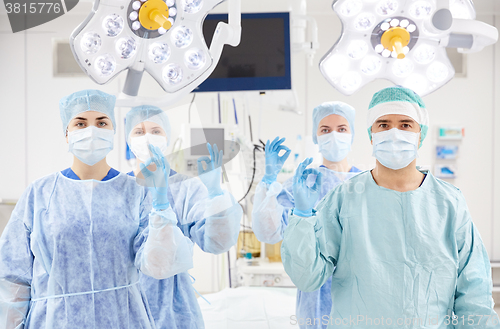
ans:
(86, 100)
(329, 108)
(147, 113)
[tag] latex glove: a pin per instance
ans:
(305, 196)
(211, 176)
(274, 162)
(157, 181)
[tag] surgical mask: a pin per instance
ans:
(140, 145)
(92, 144)
(395, 149)
(335, 146)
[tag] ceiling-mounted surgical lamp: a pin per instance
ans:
(402, 41)
(162, 37)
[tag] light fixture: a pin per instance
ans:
(162, 37)
(402, 41)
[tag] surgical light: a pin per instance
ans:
(402, 41)
(162, 37)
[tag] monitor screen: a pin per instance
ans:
(201, 136)
(260, 62)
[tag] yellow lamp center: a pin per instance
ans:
(395, 39)
(154, 14)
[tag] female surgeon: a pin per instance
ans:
(204, 212)
(333, 124)
(71, 252)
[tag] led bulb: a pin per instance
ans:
(113, 25)
(402, 67)
(172, 74)
(364, 21)
(195, 59)
(105, 65)
(90, 43)
(133, 15)
(170, 3)
(417, 83)
(395, 22)
(411, 28)
(351, 7)
(136, 5)
(136, 25)
(379, 48)
(424, 54)
(387, 7)
(126, 47)
(192, 6)
(335, 65)
(357, 49)
(437, 72)
(159, 53)
(420, 9)
(404, 23)
(371, 65)
(171, 20)
(172, 11)
(182, 37)
(386, 53)
(351, 81)
(385, 26)
(161, 30)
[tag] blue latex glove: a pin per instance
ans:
(157, 181)
(305, 196)
(211, 176)
(274, 162)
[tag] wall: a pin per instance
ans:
(33, 144)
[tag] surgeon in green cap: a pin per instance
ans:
(405, 250)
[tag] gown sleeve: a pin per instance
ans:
(270, 211)
(213, 224)
(308, 257)
(473, 295)
(16, 264)
(161, 249)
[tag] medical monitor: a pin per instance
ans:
(261, 61)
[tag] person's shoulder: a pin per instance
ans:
(45, 180)
(440, 186)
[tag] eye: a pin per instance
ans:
(156, 132)
(383, 125)
(138, 132)
(406, 126)
(80, 124)
(342, 130)
(325, 130)
(102, 124)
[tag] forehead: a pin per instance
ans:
(148, 125)
(395, 118)
(333, 120)
(90, 115)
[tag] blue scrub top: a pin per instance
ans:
(69, 173)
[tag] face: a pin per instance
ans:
(390, 121)
(147, 127)
(333, 122)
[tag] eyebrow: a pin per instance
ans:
(102, 118)
(407, 121)
(80, 118)
(382, 121)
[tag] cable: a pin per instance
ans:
(190, 105)
(255, 148)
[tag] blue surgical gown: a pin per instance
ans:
(269, 220)
(71, 252)
(408, 259)
(214, 226)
